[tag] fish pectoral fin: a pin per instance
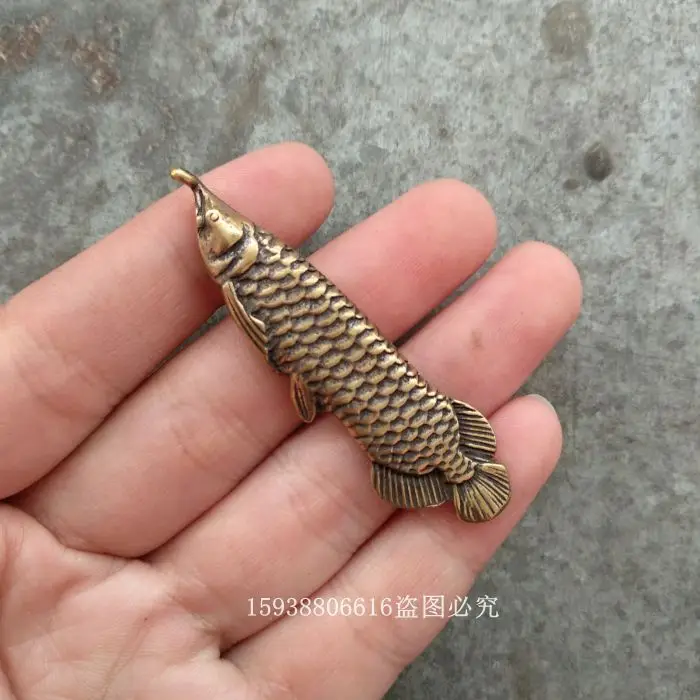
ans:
(410, 490)
(253, 327)
(476, 436)
(302, 398)
(484, 496)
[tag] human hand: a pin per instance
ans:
(149, 507)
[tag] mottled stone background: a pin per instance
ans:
(580, 121)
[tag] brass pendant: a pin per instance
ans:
(425, 448)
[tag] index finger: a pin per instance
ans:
(73, 344)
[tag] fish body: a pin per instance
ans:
(315, 333)
(425, 448)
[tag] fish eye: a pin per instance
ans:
(213, 216)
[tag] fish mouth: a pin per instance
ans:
(185, 177)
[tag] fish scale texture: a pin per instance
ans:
(315, 332)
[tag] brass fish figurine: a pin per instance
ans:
(425, 448)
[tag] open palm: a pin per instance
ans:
(158, 516)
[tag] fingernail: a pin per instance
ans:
(544, 401)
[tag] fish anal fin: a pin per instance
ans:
(303, 400)
(410, 491)
(484, 496)
(476, 436)
(253, 327)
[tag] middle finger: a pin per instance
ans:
(207, 418)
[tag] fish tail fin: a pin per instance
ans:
(484, 496)
(487, 492)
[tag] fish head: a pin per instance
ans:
(220, 228)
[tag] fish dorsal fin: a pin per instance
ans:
(410, 490)
(476, 437)
(303, 400)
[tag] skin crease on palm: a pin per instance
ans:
(145, 503)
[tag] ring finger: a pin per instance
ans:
(312, 499)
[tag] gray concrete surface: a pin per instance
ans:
(598, 588)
